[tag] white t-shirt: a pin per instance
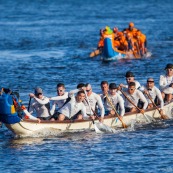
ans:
(38, 105)
(153, 93)
(115, 99)
(73, 107)
(164, 83)
(135, 99)
(58, 101)
(93, 99)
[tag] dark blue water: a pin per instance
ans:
(46, 42)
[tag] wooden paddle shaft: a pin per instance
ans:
(124, 125)
(129, 100)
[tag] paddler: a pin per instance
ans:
(113, 99)
(134, 95)
(40, 104)
(141, 42)
(70, 110)
(93, 99)
(131, 29)
(152, 92)
(166, 83)
(130, 77)
(120, 42)
(60, 99)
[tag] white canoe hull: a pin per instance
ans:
(27, 127)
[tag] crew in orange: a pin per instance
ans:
(141, 41)
(130, 41)
(120, 42)
(131, 29)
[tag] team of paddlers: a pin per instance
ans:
(129, 40)
(83, 103)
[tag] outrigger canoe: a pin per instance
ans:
(29, 127)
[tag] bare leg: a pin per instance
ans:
(133, 109)
(169, 97)
(80, 117)
(61, 117)
(163, 95)
(52, 119)
(150, 105)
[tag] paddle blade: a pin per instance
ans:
(97, 130)
(164, 117)
(102, 128)
(149, 118)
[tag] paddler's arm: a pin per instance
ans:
(101, 107)
(44, 101)
(65, 96)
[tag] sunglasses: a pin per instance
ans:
(150, 81)
(131, 89)
(128, 78)
(59, 91)
(88, 90)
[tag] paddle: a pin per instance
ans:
(123, 124)
(29, 103)
(162, 115)
(135, 106)
(95, 53)
(95, 126)
(99, 128)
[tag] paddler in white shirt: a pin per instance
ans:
(151, 92)
(113, 99)
(130, 77)
(70, 110)
(94, 99)
(60, 99)
(40, 104)
(105, 88)
(166, 83)
(134, 95)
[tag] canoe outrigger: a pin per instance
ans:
(20, 126)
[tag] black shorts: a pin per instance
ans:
(127, 109)
(56, 115)
(44, 118)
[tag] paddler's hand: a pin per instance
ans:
(146, 92)
(142, 111)
(121, 86)
(161, 111)
(112, 112)
(39, 121)
(101, 119)
(92, 117)
(83, 88)
(31, 95)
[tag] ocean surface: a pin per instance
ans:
(45, 42)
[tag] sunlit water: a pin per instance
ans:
(46, 42)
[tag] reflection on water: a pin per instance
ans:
(70, 150)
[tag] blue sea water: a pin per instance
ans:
(44, 42)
